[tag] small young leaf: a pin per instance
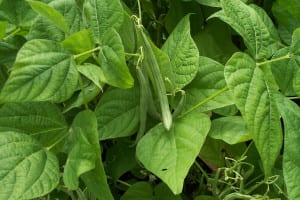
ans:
(79, 42)
(83, 155)
(43, 71)
(118, 113)
(52, 14)
(92, 72)
(255, 99)
(183, 54)
(112, 60)
(43, 121)
(103, 15)
(170, 154)
(27, 169)
(291, 163)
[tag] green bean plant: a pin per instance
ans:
(149, 99)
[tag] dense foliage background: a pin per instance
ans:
(149, 100)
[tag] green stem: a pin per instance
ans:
(86, 52)
(140, 10)
(202, 170)
(83, 92)
(17, 30)
(206, 100)
(132, 54)
(123, 183)
(274, 60)
(57, 141)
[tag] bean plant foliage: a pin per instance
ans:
(149, 100)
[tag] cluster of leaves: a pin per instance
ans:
(165, 99)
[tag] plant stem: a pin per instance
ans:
(86, 52)
(12, 34)
(214, 95)
(140, 10)
(57, 141)
(132, 54)
(202, 170)
(274, 60)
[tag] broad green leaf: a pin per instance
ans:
(78, 43)
(209, 80)
(205, 197)
(248, 23)
(18, 13)
(231, 130)
(284, 71)
(295, 46)
(92, 72)
(118, 113)
(103, 15)
(83, 155)
(27, 169)
(127, 34)
(267, 21)
(3, 25)
(291, 163)
(50, 13)
(43, 121)
(287, 15)
(43, 71)
(183, 54)
(113, 63)
(44, 28)
(162, 192)
(120, 158)
(138, 191)
(170, 154)
(255, 99)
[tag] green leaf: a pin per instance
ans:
(120, 158)
(144, 191)
(51, 13)
(3, 26)
(43, 71)
(170, 154)
(296, 82)
(89, 93)
(248, 23)
(287, 15)
(18, 13)
(291, 163)
(284, 71)
(209, 80)
(212, 3)
(295, 46)
(214, 41)
(27, 169)
(255, 99)
(82, 157)
(92, 72)
(8, 53)
(183, 54)
(118, 113)
(113, 63)
(103, 15)
(138, 191)
(231, 130)
(44, 28)
(79, 42)
(43, 121)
